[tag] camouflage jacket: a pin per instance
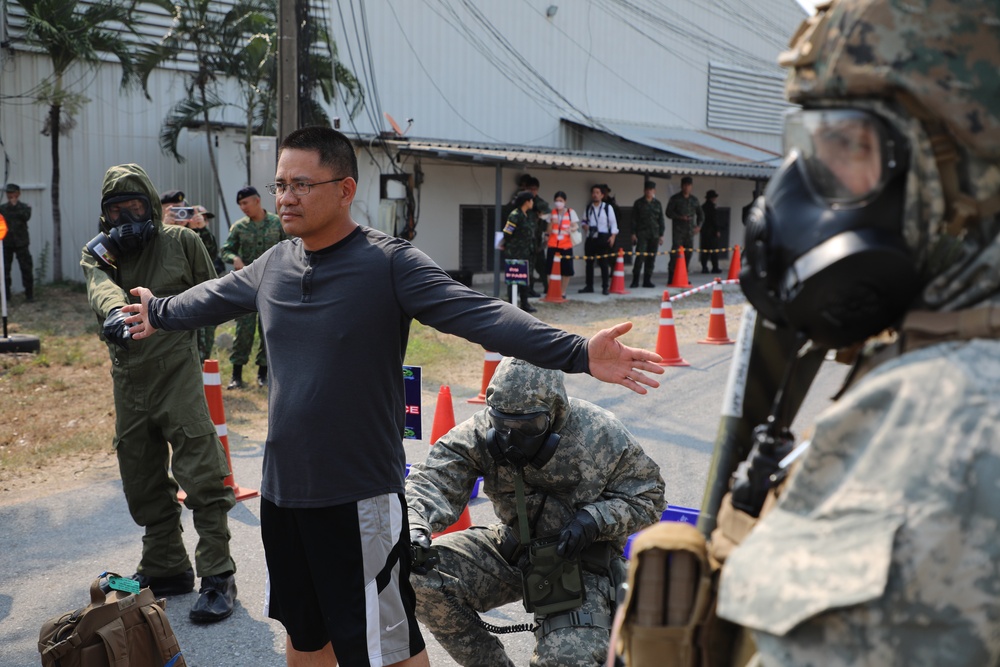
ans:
(597, 466)
(17, 217)
(647, 218)
(678, 207)
(248, 239)
(883, 547)
(538, 216)
(518, 236)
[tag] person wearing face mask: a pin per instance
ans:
(559, 471)
(161, 417)
(881, 547)
(563, 222)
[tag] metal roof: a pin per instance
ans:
(692, 144)
(555, 158)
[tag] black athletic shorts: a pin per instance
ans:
(341, 574)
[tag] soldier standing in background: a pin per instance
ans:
(685, 212)
(648, 228)
(17, 242)
(518, 241)
(248, 238)
(538, 219)
(587, 484)
(199, 225)
(710, 234)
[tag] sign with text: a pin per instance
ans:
(516, 272)
(411, 393)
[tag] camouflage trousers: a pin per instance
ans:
(206, 341)
(473, 577)
(645, 244)
(243, 343)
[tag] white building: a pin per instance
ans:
(575, 92)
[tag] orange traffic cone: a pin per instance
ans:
(618, 277)
(734, 265)
(717, 334)
(444, 414)
(213, 395)
(554, 293)
(444, 421)
(490, 364)
(666, 337)
(680, 271)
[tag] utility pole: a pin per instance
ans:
(288, 71)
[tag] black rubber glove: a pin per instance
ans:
(577, 535)
(115, 329)
(423, 557)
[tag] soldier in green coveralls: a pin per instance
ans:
(685, 212)
(647, 234)
(518, 239)
(17, 214)
(160, 398)
(248, 238)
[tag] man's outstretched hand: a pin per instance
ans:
(613, 362)
(139, 314)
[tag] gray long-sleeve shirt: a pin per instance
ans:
(336, 322)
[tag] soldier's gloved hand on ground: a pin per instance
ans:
(423, 557)
(578, 534)
(115, 329)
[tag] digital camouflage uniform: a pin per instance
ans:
(598, 466)
(679, 206)
(248, 240)
(648, 227)
(883, 548)
(159, 398)
(16, 244)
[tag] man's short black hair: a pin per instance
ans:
(334, 148)
(522, 197)
(687, 180)
(533, 182)
(649, 185)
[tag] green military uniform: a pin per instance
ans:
(678, 208)
(648, 226)
(248, 240)
(519, 243)
(160, 399)
(15, 244)
(598, 467)
(206, 335)
(538, 218)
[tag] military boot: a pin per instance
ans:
(262, 376)
(237, 381)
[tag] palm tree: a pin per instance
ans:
(216, 39)
(72, 33)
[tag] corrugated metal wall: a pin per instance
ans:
(505, 72)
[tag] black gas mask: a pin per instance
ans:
(824, 251)
(520, 440)
(131, 218)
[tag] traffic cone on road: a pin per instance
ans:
(618, 277)
(216, 409)
(734, 265)
(490, 364)
(444, 421)
(444, 414)
(666, 337)
(554, 293)
(717, 334)
(680, 271)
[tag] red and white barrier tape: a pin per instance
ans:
(734, 281)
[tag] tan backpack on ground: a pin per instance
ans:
(117, 629)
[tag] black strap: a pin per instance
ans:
(572, 619)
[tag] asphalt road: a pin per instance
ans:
(52, 547)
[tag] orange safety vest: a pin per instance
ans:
(559, 230)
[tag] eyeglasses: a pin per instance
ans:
(298, 188)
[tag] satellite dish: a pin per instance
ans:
(395, 126)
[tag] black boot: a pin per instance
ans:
(635, 280)
(237, 381)
(262, 376)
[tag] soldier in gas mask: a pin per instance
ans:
(159, 396)
(882, 548)
(586, 485)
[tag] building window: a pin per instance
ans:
(476, 238)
